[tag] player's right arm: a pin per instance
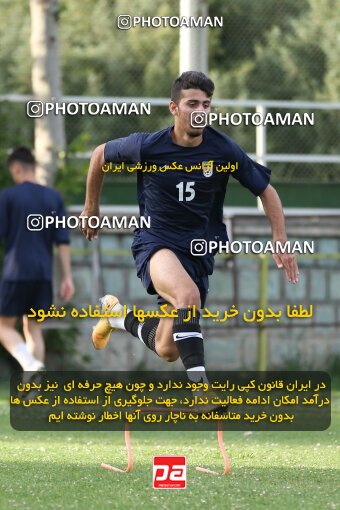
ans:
(127, 149)
(94, 185)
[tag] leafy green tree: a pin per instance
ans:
(273, 49)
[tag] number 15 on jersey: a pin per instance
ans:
(186, 193)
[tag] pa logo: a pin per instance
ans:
(208, 167)
(169, 472)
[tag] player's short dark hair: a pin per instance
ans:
(191, 80)
(21, 155)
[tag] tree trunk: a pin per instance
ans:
(46, 85)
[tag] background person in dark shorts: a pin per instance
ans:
(27, 271)
(184, 208)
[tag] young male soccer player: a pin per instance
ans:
(27, 270)
(183, 206)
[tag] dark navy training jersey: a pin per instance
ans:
(28, 254)
(185, 205)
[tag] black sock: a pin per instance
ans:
(188, 337)
(145, 331)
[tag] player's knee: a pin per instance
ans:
(188, 297)
(168, 353)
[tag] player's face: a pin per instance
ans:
(191, 100)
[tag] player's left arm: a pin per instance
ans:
(62, 240)
(274, 212)
(66, 285)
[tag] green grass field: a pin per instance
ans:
(269, 470)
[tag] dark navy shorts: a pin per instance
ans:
(16, 298)
(142, 253)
